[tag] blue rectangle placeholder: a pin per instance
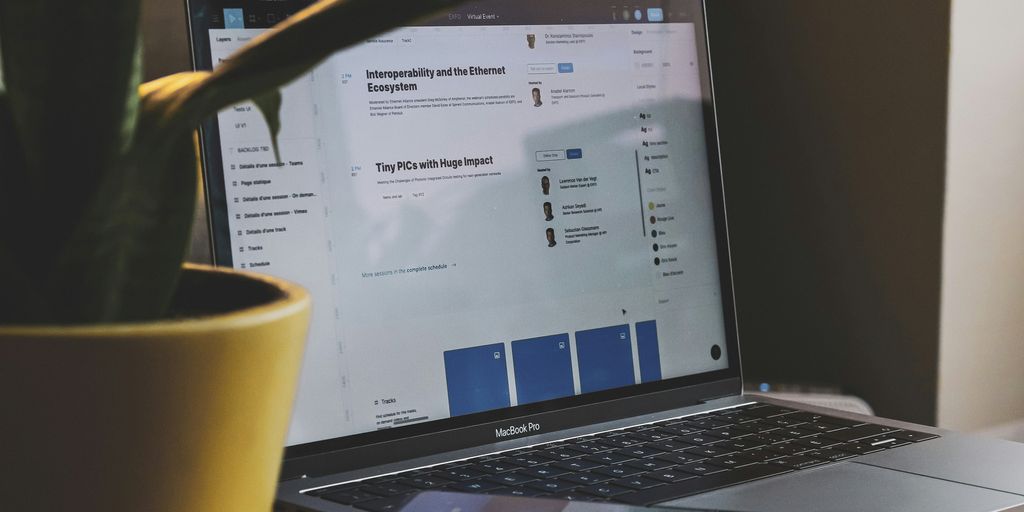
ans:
(477, 379)
(543, 368)
(647, 351)
(605, 357)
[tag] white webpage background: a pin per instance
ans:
(381, 324)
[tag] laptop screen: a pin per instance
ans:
(508, 206)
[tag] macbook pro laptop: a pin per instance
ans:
(512, 222)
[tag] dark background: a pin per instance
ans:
(833, 123)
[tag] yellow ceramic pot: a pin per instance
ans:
(183, 415)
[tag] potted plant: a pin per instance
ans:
(128, 381)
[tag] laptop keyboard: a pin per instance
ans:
(645, 464)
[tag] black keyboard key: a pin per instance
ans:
(828, 454)
(816, 442)
(821, 418)
(669, 476)
(576, 465)
(705, 424)
(677, 430)
(653, 436)
(494, 467)
(460, 474)
(679, 458)
(349, 497)
(475, 486)
(793, 432)
(617, 471)
(743, 443)
(742, 418)
(732, 431)
(511, 479)
(708, 451)
(585, 478)
(700, 438)
(859, 432)
(798, 462)
(388, 489)
(552, 485)
(543, 471)
(668, 446)
(637, 482)
(425, 482)
(733, 460)
(590, 447)
(617, 442)
(821, 427)
(765, 438)
(393, 503)
(634, 436)
(910, 435)
(527, 460)
(787, 448)
(525, 492)
(638, 452)
(760, 426)
(807, 416)
(607, 458)
(858, 448)
(761, 454)
(783, 421)
(699, 468)
(622, 437)
(575, 448)
(698, 485)
(648, 464)
(727, 419)
(604, 490)
(559, 454)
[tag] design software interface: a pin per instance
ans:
(486, 215)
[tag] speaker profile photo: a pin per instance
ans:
(548, 214)
(545, 185)
(531, 40)
(536, 97)
(550, 232)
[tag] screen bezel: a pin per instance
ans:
(342, 453)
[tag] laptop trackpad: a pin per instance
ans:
(851, 487)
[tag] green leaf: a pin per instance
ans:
(124, 261)
(21, 300)
(69, 75)
(270, 106)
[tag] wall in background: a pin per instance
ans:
(982, 330)
(832, 119)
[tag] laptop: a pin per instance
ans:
(511, 219)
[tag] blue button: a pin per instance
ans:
(573, 154)
(233, 18)
(655, 14)
(565, 67)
